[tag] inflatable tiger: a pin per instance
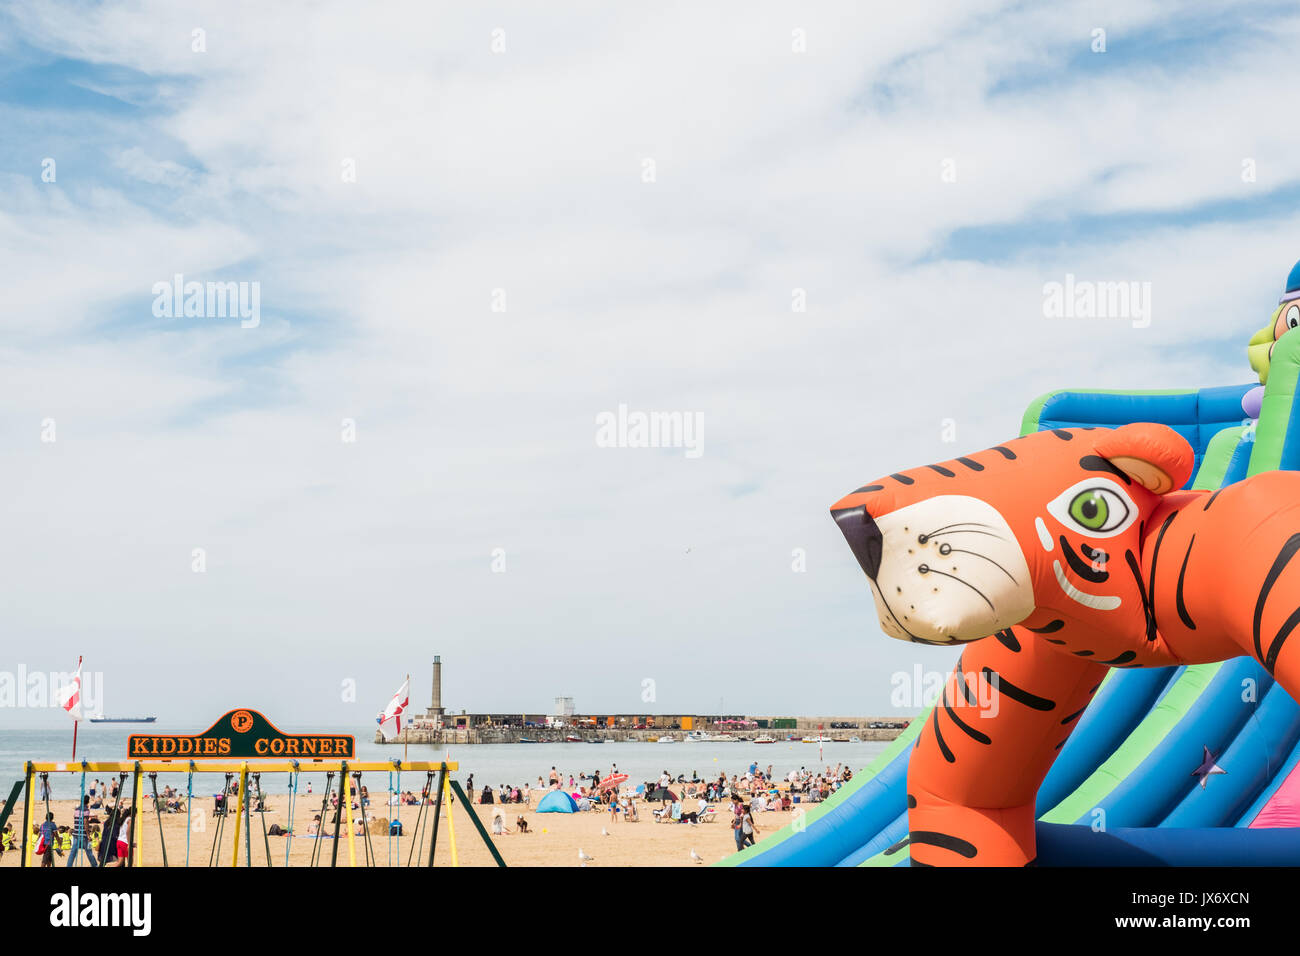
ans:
(1056, 556)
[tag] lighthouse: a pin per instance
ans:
(436, 711)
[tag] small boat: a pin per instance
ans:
(764, 739)
(668, 739)
(101, 719)
(697, 737)
(596, 740)
(818, 740)
(855, 740)
(573, 739)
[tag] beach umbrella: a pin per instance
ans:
(613, 780)
(661, 793)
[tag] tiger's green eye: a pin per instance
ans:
(1089, 508)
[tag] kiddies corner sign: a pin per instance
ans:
(241, 734)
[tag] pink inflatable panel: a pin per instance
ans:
(1283, 808)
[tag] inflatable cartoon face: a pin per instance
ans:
(1285, 318)
(1049, 523)
(1262, 343)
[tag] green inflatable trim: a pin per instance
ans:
(1159, 721)
(820, 809)
(1034, 412)
(1279, 399)
(1218, 455)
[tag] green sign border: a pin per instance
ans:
(260, 740)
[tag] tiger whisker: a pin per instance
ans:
(963, 531)
(955, 524)
(988, 559)
(926, 569)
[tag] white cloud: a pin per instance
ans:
(522, 171)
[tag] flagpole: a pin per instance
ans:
(406, 737)
(75, 722)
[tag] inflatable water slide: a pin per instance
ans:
(1183, 766)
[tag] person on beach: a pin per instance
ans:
(80, 839)
(46, 843)
(124, 837)
(737, 821)
(555, 778)
(747, 828)
(469, 787)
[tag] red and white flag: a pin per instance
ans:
(70, 696)
(390, 720)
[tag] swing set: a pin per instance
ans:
(249, 772)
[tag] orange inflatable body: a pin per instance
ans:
(1056, 556)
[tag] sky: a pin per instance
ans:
(821, 232)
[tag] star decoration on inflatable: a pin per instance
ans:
(1207, 767)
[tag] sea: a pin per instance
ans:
(491, 764)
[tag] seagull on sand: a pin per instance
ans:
(695, 857)
(584, 858)
(604, 832)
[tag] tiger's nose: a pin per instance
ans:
(864, 538)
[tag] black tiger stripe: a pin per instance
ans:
(947, 473)
(1142, 593)
(1052, 640)
(865, 488)
(911, 802)
(945, 841)
(1280, 638)
(971, 463)
(1078, 566)
(1051, 627)
(1062, 434)
(898, 846)
(1123, 658)
(915, 862)
(1155, 556)
(1057, 747)
(1211, 501)
(1005, 452)
(1008, 640)
(938, 736)
(966, 692)
(1084, 653)
(1073, 717)
(1094, 690)
(1178, 594)
(1097, 463)
(903, 479)
(964, 727)
(1283, 558)
(1018, 694)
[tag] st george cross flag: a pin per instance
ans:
(390, 721)
(70, 696)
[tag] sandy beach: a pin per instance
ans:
(554, 838)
